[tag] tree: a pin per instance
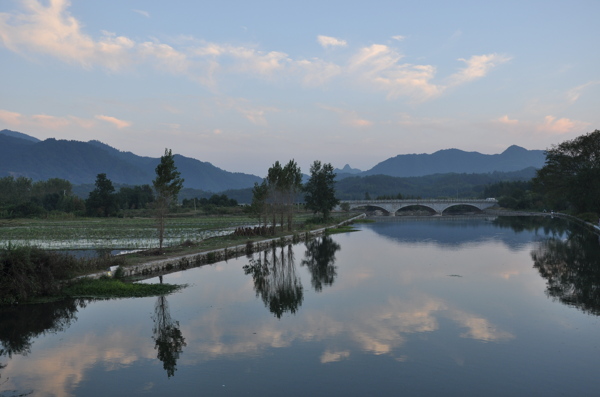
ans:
(168, 338)
(291, 184)
(320, 189)
(258, 207)
(277, 193)
(167, 185)
(571, 175)
(102, 200)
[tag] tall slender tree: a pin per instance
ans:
(167, 185)
(292, 184)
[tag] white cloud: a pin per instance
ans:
(379, 67)
(317, 72)
(505, 120)
(143, 13)
(561, 126)
(574, 93)
(49, 28)
(114, 121)
(327, 41)
(477, 67)
(10, 118)
(399, 38)
(53, 31)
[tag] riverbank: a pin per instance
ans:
(138, 266)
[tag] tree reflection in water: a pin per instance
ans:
(276, 282)
(169, 340)
(19, 325)
(319, 258)
(572, 270)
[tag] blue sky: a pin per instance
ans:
(242, 84)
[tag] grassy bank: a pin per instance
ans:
(28, 272)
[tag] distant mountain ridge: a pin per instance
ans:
(514, 158)
(80, 163)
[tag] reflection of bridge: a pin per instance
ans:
(439, 206)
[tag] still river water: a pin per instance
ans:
(444, 306)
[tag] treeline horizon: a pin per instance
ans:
(569, 181)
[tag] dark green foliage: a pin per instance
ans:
(430, 186)
(26, 272)
(320, 189)
(102, 201)
(571, 176)
(21, 197)
(30, 272)
(167, 185)
(136, 197)
(215, 204)
(114, 288)
(517, 195)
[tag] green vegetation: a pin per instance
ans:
(274, 198)
(103, 288)
(341, 229)
(570, 180)
(167, 185)
(21, 197)
(450, 185)
(320, 189)
(28, 272)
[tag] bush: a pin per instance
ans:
(26, 272)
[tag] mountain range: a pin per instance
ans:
(80, 163)
(445, 161)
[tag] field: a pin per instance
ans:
(121, 233)
(113, 233)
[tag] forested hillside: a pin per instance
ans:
(80, 163)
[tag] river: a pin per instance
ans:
(432, 306)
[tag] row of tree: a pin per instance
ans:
(21, 197)
(275, 197)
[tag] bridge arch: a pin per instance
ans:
(437, 205)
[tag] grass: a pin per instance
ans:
(105, 288)
(341, 229)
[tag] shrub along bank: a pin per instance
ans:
(28, 272)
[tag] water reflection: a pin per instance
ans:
(168, 339)
(571, 267)
(276, 281)
(20, 325)
(319, 258)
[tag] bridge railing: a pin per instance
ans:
(489, 200)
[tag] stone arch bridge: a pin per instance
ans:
(439, 206)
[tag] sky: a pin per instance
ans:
(242, 84)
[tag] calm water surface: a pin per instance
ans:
(494, 307)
